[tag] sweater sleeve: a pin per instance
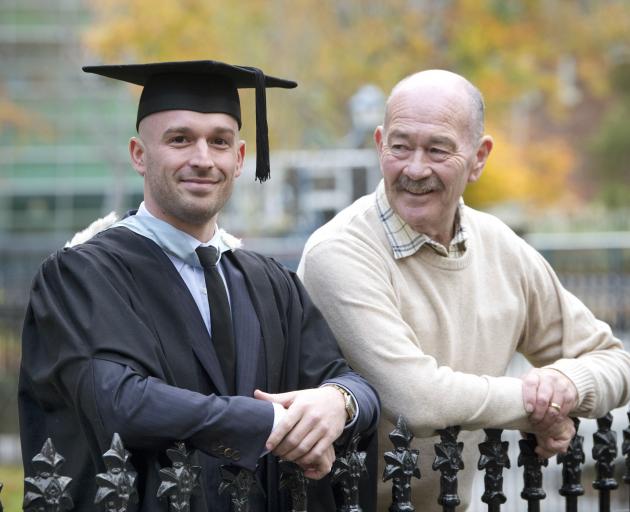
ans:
(351, 282)
(562, 333)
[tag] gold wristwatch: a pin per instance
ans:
(348, 399)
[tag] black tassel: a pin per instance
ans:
(262, 137)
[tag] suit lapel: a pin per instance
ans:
(199, 337)
(246, 329)
(262, 296)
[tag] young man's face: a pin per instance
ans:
(189, 161)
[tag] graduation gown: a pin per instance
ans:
(114, 342)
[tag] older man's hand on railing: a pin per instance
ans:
(315, 419)
(549, 397)
(554, 439)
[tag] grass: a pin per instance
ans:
(13, 479)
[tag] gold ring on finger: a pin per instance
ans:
(554, 405)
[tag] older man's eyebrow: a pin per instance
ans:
(441, 140)
(398, 134)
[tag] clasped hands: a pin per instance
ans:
(549, 396)
(315, 419)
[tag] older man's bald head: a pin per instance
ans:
(438, 82)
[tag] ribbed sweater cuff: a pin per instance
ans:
(583, 381)
(507, 403)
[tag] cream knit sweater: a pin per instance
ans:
(435, 335)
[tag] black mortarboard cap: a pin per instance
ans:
(202, 86)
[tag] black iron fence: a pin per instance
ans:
(49, 490)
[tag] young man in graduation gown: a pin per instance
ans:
(162, 328)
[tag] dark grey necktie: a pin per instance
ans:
(220, 314)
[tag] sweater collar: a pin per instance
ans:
(405, 241)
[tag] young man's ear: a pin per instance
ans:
(137, 154)
(240, 158)
(481, 157)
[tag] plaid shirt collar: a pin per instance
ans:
(406, 242)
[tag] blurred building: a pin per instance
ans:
(58, 130)
(61, 160)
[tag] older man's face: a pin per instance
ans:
(428, 156)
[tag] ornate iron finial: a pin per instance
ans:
(346, 473)
(448, 460)
(239, 483)
(180, 481)
(571, 461)
(604, 454)
(47, 490)
(493, 458)
(292, 478)
(116, 487)
(533, 491)
(401, 464)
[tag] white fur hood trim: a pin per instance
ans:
(230, 240)
(111, 218)
(96, 227)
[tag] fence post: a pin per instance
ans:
(625, 449)
(292, 478)
(493, 458)
(346, 473)
(239, 483)
(47, 490)
(533, 491)
(572, 487)
(448, 460)
(180, 481)
(116, 486)
(604, 454)
(401, 464)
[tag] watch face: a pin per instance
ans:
(350, 407)
(348, 401)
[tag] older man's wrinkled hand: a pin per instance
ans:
(555, 439)
(549, 396)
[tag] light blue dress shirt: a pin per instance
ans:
(180, 248)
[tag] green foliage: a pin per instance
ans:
(12, 477)
(610, 148)
(8, 403)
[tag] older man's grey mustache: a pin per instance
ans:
(422, 186)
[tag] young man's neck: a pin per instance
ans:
(202, 232)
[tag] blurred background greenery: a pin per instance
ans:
(555, 75)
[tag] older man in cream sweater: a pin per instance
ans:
(430, 299)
